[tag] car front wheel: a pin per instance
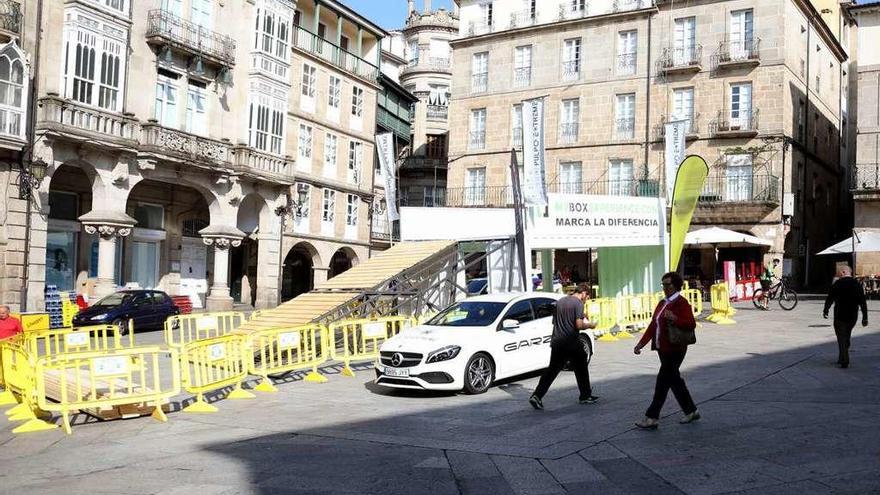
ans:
(478, 374)
(122, 325)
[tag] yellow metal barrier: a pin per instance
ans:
(694, 297)
(183, 329)
(602, 312)
(82, 339)
(721, 308)
(95, 380)
(20, 383)
(211, 364)
(635, 311)
(361, 339)
(282, 350)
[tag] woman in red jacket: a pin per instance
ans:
(676, 310)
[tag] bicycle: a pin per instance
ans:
(787, 298)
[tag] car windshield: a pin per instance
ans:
(468, 314)
(116, 299)
(476, 286)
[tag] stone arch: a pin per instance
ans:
(342, 260)
(298, 270)
(253, 214)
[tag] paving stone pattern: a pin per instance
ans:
(778, 418)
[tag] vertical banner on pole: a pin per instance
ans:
(688, 186)
(675, 143)
(520, 223)
(534, 168)
(385, 150)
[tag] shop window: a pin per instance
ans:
(149, 216)
(61, 259)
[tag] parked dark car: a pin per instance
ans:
(148, 309)
(478, 286)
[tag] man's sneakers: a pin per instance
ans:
(690, 418)
(535, 401)
(589, 400)
(648, 423)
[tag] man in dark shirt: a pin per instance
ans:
(568, 321)
(847, 296)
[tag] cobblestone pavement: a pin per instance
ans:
(778, 417)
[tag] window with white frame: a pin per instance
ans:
(684, 50)
(355, 161)
(478, 129)
(486, 14)
(578, 6)
(480, 72)
(334, 93)
(166, 107)
(93, 66)
(174, 7)
(571, 59)
(475, 186)
(330, 145)
(683, 107)
(626, 52)
(620, 177)
(305, 141)
(522, 66)
(328, 208)
(741, 35)
(741, 105)
(117, 5)
(12, 93)
(625, 116)
(266, 124)
(357, 101)
(571, 178)
(516, 125)
(200, 13)
(351, 210)
(570, 112)
(197, 108)
(412, 52)
(272, 34)
(738, 173)
(309, 75)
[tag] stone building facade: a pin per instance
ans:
(759, 83)
(173, 143)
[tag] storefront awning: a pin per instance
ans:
(864, 242)
(715, 237)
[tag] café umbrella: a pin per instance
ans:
(716, 237)
(862, 242)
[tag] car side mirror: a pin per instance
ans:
(509, 325)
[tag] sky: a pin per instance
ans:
(390, 14)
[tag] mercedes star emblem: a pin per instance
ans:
(396, 359)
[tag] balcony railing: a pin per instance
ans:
(423, 163)
(740, 189)
(317, 46)
(522, 18)
(427, 64)
(681, 58)
(165, 26)
(493, 196)
(744, 123)
(517, 133)
(438, 112)
(568, 132)
(626, 63)
(627, 5)
(477, 140)
(393, 123)
(478, 28)
(691, 127)
(566, 11)
(866, 176)
(738, 52)
(10, 16)
(66, 116)
(647, 188)
(184, 145)
(247, 159)
(625, 128)
(522, 77)
(571, 70)
(479, 82)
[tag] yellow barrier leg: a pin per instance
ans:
(239, 393)
(724, 320)
(623, 333)
(266, 385)
(200, 406)
(20, 412)
(159, 414)
(607, 337)
(35, 424)
(7, 398)
(65, 422)
(346, 370)
(315, 377)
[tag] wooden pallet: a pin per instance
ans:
(123, 411)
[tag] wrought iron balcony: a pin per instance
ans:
(626, 63)
(10, 17)
(568, 11)
(738, 53)
(743, 124)
(866, 177)
(625, 128)
(438, 112)
(253, 162)
(681, 59)
(571, 70)
(480, 82)
(478, 28)
(393, 123)
(477, 140)
(165, 28)
(81, 122)
(692, 127)
(522, 18)
(568, 132)
(720, 188)
(646, 188)
(427, 64)
(184, 146)
(522, 77)
(308, 42)
(627, 5)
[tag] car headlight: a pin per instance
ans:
(443, 354)
(99, 317)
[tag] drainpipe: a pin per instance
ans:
(806, 156)
(648, 103)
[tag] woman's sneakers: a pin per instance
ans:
(535, 401)
(690, 418)
(648, 423)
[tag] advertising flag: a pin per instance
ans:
(675, 132)
(534, 168)
(688, 185)
(385, 150)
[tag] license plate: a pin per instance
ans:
(396, 372)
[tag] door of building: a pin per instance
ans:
(194, 270)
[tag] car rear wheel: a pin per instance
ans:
(478, 374)
(122, 325)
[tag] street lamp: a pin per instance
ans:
(29, 178)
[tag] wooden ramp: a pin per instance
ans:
(345, 287)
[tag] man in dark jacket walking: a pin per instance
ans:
(847, 296)
(565, 345)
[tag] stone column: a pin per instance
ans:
(221, 238)
(320, 274)
(108, 225)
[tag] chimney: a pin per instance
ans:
(427, 6)
(411, 7)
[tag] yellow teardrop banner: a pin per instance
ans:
(688, 185)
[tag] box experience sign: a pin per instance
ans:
(588, 221)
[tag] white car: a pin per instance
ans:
(472, 343)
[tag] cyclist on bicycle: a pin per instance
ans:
(768, 275)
